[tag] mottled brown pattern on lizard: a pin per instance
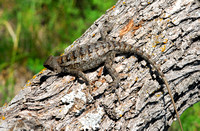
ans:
(88, 56)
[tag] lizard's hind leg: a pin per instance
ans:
(112, 72)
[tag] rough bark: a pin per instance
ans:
(167, 30)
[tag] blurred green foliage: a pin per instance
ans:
(31, 30)
(44, 25)
(190, 119)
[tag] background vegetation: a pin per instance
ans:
(31, 30)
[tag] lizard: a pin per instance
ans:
(91, 55)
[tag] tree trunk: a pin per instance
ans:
(169, 31)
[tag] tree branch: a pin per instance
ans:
(168, 31)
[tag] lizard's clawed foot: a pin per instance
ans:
(90, 98)
(112, 89)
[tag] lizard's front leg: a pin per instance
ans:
(79, 73)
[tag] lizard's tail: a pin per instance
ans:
(147, 57)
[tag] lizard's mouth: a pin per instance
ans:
(48, 67)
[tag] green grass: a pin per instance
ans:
(190, 119)
(31, 30)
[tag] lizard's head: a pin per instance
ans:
(52, 64)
